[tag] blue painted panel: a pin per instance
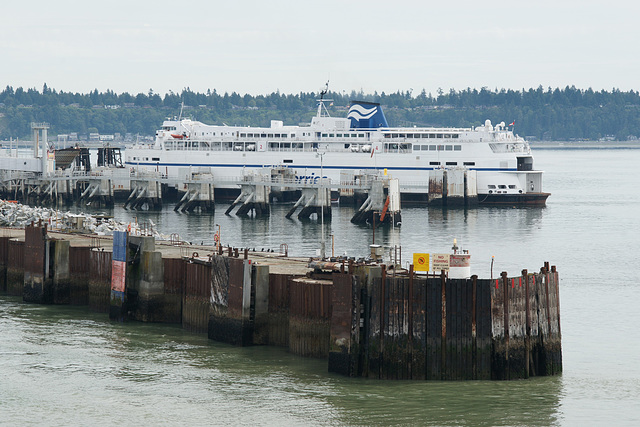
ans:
(120, 246)
(117, 298)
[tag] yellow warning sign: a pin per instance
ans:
(421, 262)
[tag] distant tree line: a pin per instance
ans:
(551, 114)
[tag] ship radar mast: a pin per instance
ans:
(321, 102)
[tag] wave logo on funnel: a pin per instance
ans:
(366, 115)
(358, 112)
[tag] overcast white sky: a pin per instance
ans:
(258, 47)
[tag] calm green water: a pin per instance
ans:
(68, 366)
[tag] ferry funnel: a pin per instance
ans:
(367, 115)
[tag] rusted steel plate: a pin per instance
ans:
(174, 275)
(100, 265)
(34, 243)
(79, 260)
(15, 258)
(236, 280)
(279, 292)
(310, 298)
(198, 281)
(4, 249)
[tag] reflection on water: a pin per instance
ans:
(88, 368)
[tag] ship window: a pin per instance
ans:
(439, 135)
(404, 148)
(284, 135)
(434, 163)
(394, 135)
(446, 135)
(274, 146)
(469, 163)
(457, 148)
(432, 135)
(455, 135)
(449, 147)
(355, 135)
(286, 145)
(502, 186)
(243, 135)
(155, 159)
(263, 135)
(339, 135)
(491, 186)
(440, 147)
(324, 135)
(331, 135)
(287, 161)
(425, 135)
(433, 148)
(270, 135)
(387, 135)
(512, 186)
(452, 163)
(402, 135)
(409, 135)
(361, 135)
(425, 147)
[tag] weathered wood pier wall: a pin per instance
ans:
(364, 320)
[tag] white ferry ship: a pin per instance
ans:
(360, 143)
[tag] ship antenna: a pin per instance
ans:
(324, 92)
(321, 100)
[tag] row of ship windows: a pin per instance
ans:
(452, 163)
(422, 135)
(297, 146)
(266, 135)
(394, 135)
(416, 147)
(335, 135)
(501, 186)
(157, 159)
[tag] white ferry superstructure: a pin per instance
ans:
(362, 142)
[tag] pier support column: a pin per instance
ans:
(344, 344)
(15, 267)
(233, 323)
(260, 280)
(4, 258)
(61, 277)
(150, 288)
(254, 198)
(379, 208)
(314, 200)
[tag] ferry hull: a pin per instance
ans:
(529, 199)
